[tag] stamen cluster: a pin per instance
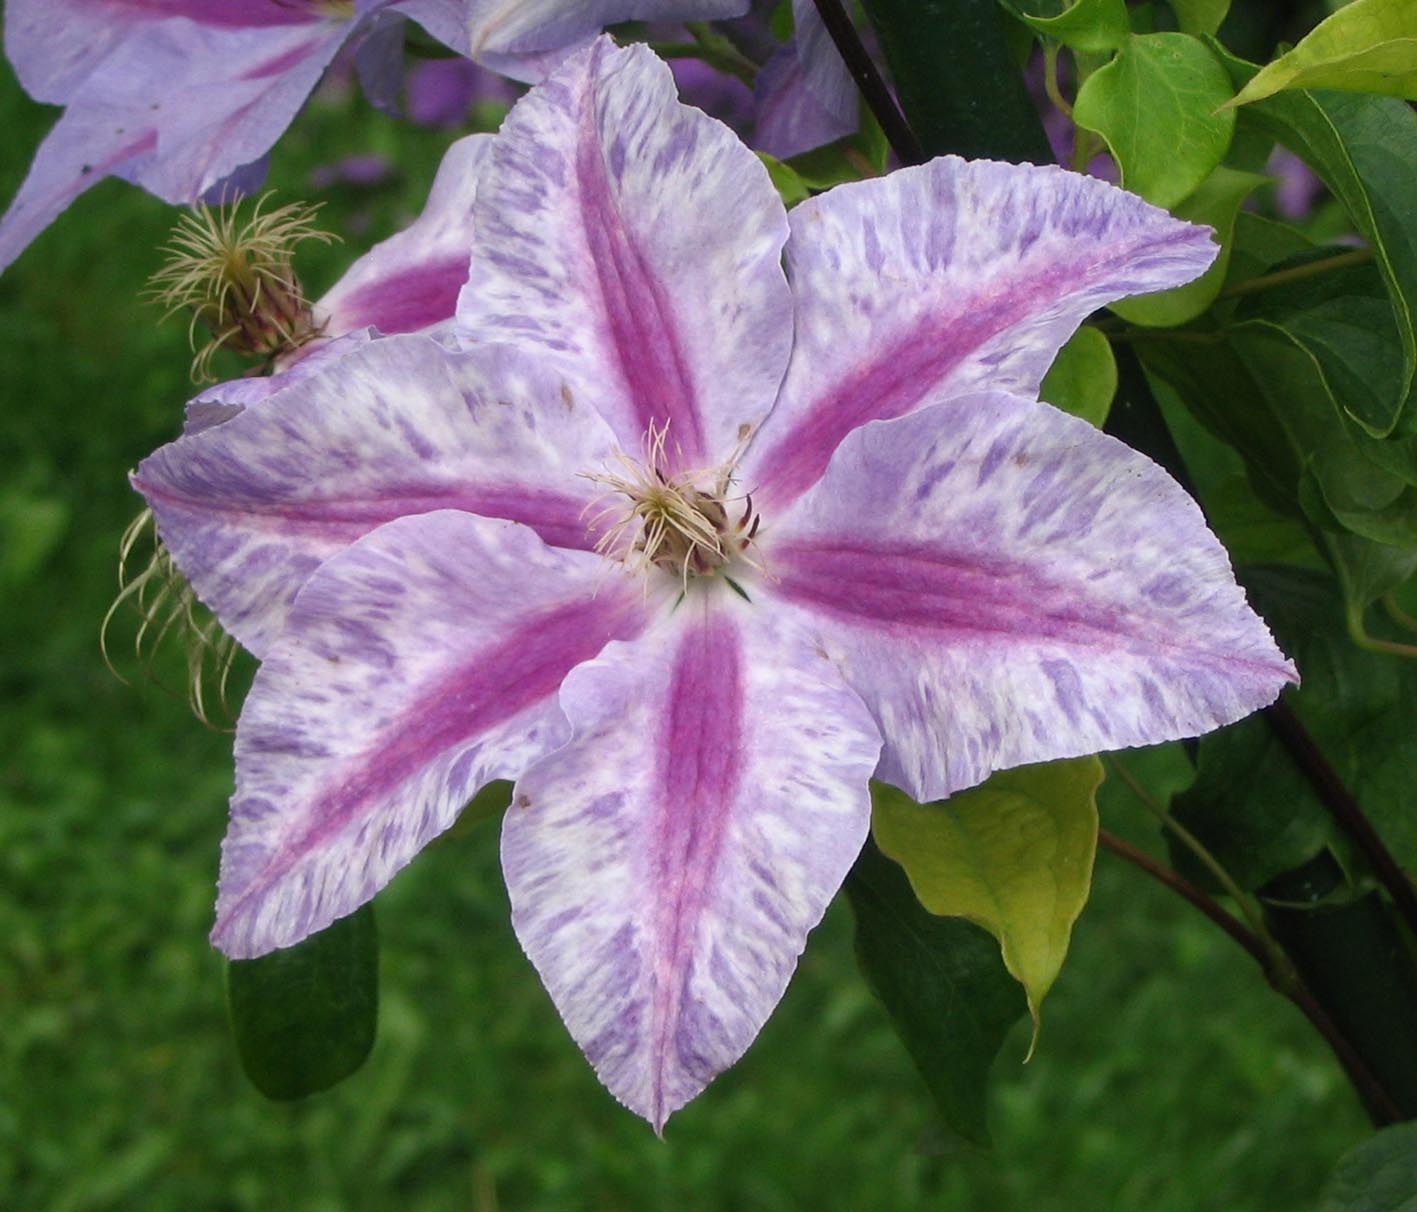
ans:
(688, 522)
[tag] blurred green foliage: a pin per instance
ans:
(1167, 1078)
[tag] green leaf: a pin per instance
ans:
(1088, 25)
(1249, 805)
(1216, 203)
(1155, 104)
(955, 76)
(1200, 16)
(1365, 150)
(1083, 377)
(1368, 46)
(1377, 1176)
(943, 984)
(305, 1017)
(786, 180)
(1013, 855)
(1342, 319)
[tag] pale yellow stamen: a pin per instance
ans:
(684, 522)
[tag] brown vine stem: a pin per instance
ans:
(1339, 801)
(1370, 1089)
(871, 83)
(1297, 273)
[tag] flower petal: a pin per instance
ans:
(419, 664)
(80, 150)
(1003, 584)
(950, 277)
(526, 39)
(666, 865)
(636, 244)
(411, 281)
(175, 107)
(250, 507)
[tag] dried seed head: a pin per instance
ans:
(235, 276)
(165, 605)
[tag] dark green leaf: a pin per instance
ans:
(1248, 804)
(304, 1017)
(1378, 1176)
(943, 983)
(956, 80)
(1365, 150)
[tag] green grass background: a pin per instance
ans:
(1168, 1078)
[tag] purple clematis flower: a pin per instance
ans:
(691, 546)
(526, 39)
(177, 95)
(805, 94)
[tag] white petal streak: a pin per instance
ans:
(417, 666)
(1003, 584)
(635, 244)
(666, 866)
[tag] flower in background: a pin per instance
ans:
(442, 92)
(691, 545)
(179, 95)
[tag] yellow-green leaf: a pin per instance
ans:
(1083, 377)
(1088, 25)
(1216, 203)
(1200, 16)
(1013, 855)
(1369, 46)
(1157, 104)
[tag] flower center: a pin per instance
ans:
(689, 523)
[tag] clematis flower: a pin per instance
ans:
(177, 95)
(805, 94)
(691, 546)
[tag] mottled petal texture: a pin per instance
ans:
(419, 664)
(950, 277)
(1003, 584)
(249, 508)
(666, 865)
(526, 39)
(411, 280)
(636, 244)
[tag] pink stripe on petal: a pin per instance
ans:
(640, 325)
(411, 280)
(944, 279)
(418, 664)
(1002, 584)
(250, 507)
(635, 245)
(666, 865)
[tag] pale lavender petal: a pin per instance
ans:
(175, 107)
(950, 277)
(419, 664)
(446, 20)
(635, 244)
(55, 45)
(80, 150)
(1003, 584)
(251, 507)
(823, 69)
(411, 281)
(527, 39)
(221, 401)
(791, 117)
(666, 865)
